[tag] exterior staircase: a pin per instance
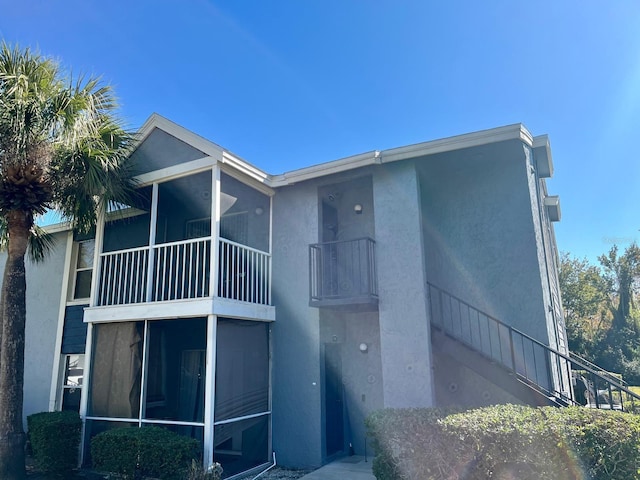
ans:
(519, 364)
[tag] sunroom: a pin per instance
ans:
(180, 309)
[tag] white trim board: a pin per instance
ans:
(200, 307)
(257, 178)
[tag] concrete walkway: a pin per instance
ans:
(347, 468)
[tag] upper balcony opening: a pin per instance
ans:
(342, 265)
(161, 248)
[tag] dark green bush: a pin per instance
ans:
(505, 442)
(55, 440)
(153, 451)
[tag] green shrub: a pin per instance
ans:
(153, 451)
(505, 442)
(606, 442)
(396, 433)
(55, 440)
(510, 440)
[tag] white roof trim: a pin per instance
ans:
(211, 149)
(187, 136)
(245, 167)
(475, 139)
(542, 153)
(327, 168)
(510, 132)
(57, 227)
(266, 182)
(176, 171)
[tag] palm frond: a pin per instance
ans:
(60, 134)
(92, 173)
(40, 241)
(40, 244)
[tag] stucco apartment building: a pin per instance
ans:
(261, 313)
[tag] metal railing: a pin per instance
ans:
(564, 378)
(123, 277)
(181, 270)
(244, 273)
(343, 269)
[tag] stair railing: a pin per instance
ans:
(564, 378)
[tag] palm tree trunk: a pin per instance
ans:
(13, 313)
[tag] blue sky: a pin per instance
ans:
(290, 83)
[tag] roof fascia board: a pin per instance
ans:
(510, 132)
(158, 121)
(468, 140)
(262, 187)
(176, 171)
(244, 171)
(57, 227)
(324, 169)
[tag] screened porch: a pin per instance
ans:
(205, 378)
(166, 247)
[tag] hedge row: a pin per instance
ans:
(148, 451)
(505, 442)
(55, 438)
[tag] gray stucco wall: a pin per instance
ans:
(481, 240)
(405, 337)
(44, 283)
(161, 150)
(458, 385)
(296, 381)
(300, 331)
(361, 371)
(347, 194)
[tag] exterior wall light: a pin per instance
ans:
(357, 208)
(364, 347)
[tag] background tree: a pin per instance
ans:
(60, 148)
(621, 346)
(584, 299)
(599, 304)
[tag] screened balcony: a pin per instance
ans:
(165, 249)
(343, 274)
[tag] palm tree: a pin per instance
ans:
(60, 148)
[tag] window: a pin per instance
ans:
(83, 270)
(72, 382)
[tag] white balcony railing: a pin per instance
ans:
(181, 270)
(244, 273)
(123, 277)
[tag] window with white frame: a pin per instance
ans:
(83, 270)
(73, 374)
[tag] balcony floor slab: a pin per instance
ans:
(199, 307)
